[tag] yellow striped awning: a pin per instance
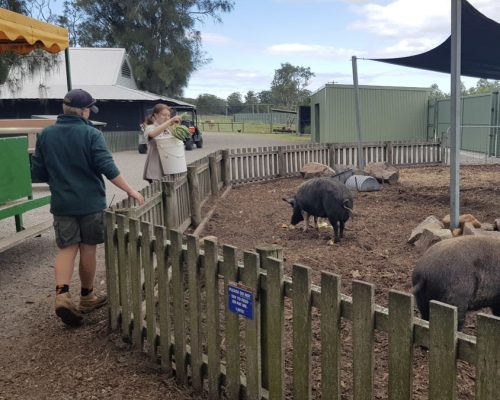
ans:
(21, 34)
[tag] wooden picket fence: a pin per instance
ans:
(170, 299)
(177, 200)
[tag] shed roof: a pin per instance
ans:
(372, 87)
(103, 72)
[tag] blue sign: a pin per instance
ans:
(240, 300)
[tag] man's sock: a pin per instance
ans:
(86, 292)
(62, 289)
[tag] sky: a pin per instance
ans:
(258, 36)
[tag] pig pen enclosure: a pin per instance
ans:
(374, 250)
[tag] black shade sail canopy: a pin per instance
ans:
(480, 49)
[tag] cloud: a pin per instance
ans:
(404, 18)
(410, 45)
(214, 38)
(310, 50)
(416, 25)
(223, 81)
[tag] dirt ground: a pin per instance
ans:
(374, 248)
(40, 358)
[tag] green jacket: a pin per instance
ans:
(71, 156)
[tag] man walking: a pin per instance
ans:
(72, 156)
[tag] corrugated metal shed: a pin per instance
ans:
(386, 113)
(103, 72)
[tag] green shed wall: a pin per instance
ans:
(386, 113)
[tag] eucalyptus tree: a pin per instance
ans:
(288, 87)
(160, 36)
(484, 86)
(235, 103)
(209, 104)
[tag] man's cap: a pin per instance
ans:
(79, 98)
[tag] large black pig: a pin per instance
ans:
(463, 272)
(324, 198)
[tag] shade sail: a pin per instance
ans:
(480, 49)
(22, 34)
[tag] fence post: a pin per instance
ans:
(123, 274)
(213, 341)
(363, 323)
(275, 326)
(194, 195)
(111, 270)
(388, 152)
(178, 295)
(232, 328)
(442, 351)
(281, 161)
(251, 278)
(214, 184)
(265, 251)
(488, 356)
(301, 338)
(149, 286)
(226, 168)
(193, 271)
(169, 205)
(164, 296)
(444, 144)
(331, 155)
(400, 345)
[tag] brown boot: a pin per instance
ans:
(92, 302)
(67, 311)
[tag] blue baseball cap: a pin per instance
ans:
(79, 98)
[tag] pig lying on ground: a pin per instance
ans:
(324, 198)
(463, 272)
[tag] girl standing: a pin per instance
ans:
(157, 126)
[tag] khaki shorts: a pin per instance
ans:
(86, 229)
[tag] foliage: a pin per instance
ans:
(234, 103)
(15, 68)
(436, 93)
(265, 97)
(288, 88)
(210, 104)
(251, 97)
(18, 6)
(159, 35)
(71, 19)
(484, 86)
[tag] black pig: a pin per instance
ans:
(463, 272)
(324, 198)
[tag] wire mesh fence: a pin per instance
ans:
(479, 144)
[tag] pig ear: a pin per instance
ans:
(290, 201)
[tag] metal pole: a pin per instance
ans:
(361, 157)
(68, 69)
(456, 56)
